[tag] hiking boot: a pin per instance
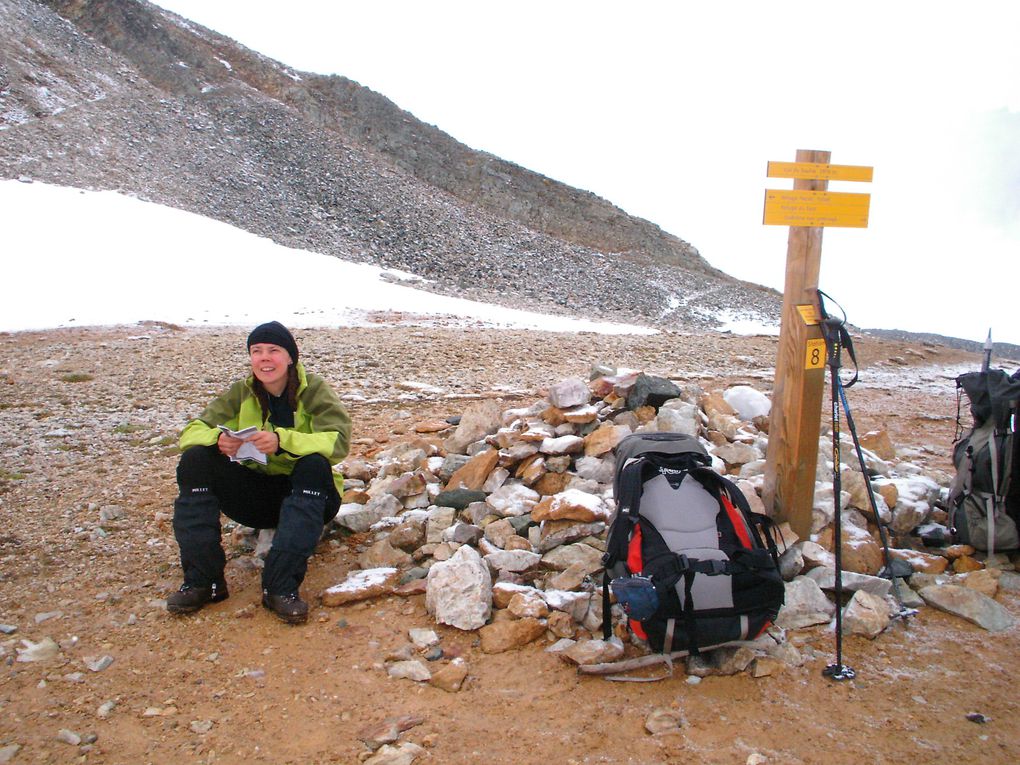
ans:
(190, 598)
(290, 608)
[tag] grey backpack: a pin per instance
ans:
(984, 500)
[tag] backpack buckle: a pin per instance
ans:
(716, 567)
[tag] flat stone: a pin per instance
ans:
(431, 426)
(664, 721)
(513, 560)
(825, 577)
(984, 581)
(409, 670)
(970, 605)
(523, 604)
(383, 555)
(403, 753)
(571, 504)
(473, 473)
(387, 731)
(923, 563)
(593, 652)
(451, 677)
(561, 558)
(361, 585)
(506, 635)
(605, 439)
(459, 498)
(729, 660)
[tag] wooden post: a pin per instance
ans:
(794, 424)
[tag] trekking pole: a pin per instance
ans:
(892, 569)
(831, 327)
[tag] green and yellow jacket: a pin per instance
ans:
(321, 424)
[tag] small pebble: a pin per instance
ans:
(68, 737)
(201, 726)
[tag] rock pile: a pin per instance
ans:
(500, 517)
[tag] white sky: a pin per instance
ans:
(671, 110)
(118, 260)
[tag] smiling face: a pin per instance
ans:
(269, 365)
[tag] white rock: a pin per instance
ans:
(360, 518)
(866, 615)
(459, 590)
(513, 560)
(805, 605)
(748, 402)
(409, 670)
(512, 499)
(403, 753)
(98, 664)
(569, 393)
(45, 650)
(423, 638)
(201, 727)
(569, 444)
(681, 419)
(573, 603)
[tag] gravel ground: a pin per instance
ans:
(90, 419)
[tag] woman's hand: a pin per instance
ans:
(229, 445)
(265, 441)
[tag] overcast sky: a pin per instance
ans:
(672, 110)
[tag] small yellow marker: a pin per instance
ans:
(815, 358)
(809, 313)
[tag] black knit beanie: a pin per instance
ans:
(277, 334)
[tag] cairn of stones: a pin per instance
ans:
(499, 517)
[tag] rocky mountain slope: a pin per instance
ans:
(119, 94)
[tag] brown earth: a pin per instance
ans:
(89, 421)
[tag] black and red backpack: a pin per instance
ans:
(693, 567)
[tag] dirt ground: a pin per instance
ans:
(89, 421)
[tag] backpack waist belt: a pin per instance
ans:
(667, 570)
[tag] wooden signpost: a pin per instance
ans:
(795, 420)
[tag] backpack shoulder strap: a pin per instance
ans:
(628, 506)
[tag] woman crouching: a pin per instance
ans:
(278, 475)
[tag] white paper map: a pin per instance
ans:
(247, 451)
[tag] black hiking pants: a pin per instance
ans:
(297, 506)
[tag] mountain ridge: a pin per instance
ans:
(119, 94)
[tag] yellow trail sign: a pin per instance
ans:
(819, 171)
(816, 208)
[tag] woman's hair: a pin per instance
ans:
(290, 392)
